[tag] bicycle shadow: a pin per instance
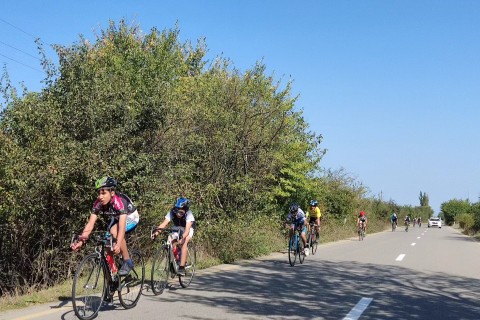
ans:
(329, 290)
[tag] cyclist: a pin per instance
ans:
(407, 221)
(394, 219)
(124, 218)
(296, 219)
(414, 221)
(362, 219)
(419, 221)
(184, 222)
(315, 215)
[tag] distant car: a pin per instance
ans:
(434, 222)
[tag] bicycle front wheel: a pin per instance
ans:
(189, 266)
(301, 250)
(314, 244)
(292, 250)
(131, 285)
(89, 287)
(160, 271)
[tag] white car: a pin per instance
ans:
(434, 222)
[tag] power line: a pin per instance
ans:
(28, 34)
(24, 64)
(28, 54)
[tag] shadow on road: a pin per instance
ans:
(329, 290)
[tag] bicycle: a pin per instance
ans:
(96, 278)
(295, 248)
(166, 262)
(313, 238)
(394, 226)
(361, 231)
(406, 226)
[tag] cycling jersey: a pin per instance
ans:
(298, 220)
(120, 204)
(181, 222)
(315, 213)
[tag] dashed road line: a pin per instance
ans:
(400, 257)
(359, 308)
(413, 243)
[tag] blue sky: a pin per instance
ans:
(393, 86)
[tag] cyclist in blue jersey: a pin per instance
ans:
(296, 219)
(394, 218)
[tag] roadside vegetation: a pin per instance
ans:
(464, 213)
(155, 114)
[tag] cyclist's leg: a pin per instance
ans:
(304, 238)
(183, 258)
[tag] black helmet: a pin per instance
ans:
(314, 203)
(293, 208)
(105, 182)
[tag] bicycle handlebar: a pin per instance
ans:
(99, 237)
(169, 230)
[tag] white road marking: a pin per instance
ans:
(357, 311)
(400, 257)
(418, 237)
(413, 243)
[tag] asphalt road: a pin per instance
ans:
(420, 274)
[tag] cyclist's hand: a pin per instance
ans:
(76, 245)
(154, 234)
(116, 248)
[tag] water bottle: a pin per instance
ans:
(111, 262)
(175, 249)
(179, 254)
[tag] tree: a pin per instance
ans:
(452, 208)
(423, 199)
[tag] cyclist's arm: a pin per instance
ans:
(187, 230)
(160, 226)
(85, 233)
(89, 226)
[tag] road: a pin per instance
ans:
(420, 274)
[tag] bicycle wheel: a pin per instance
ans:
(160, 270)
(190, 265)
(131, 285)
(301, 248)
(292, 249)
(89, 287)
(314, 245)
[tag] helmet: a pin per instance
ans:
(362, 214)
(394, 214)
(313, 203)
(293, 208)
(182, 203)
(105, 182)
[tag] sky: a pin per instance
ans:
(392, 86)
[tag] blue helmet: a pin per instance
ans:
(313, 203)
(294, 208)
(182, 203)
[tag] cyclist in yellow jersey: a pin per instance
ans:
(314, 214)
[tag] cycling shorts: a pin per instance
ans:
(132, 221)
(313, 220)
